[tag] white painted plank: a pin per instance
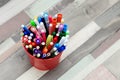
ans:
(106, 54)
(6, 45)
(77, 68)
(12, 8)
(40, 6)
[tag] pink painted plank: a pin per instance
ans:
(100, 73)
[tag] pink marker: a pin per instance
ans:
(43, 35)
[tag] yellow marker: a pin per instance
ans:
(62, 21)
(35, 17)
(49, 39)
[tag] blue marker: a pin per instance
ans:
(44, 55)
(26, 29)
(65, 27)
(25, 33)
(57, 45)
(39, 19)
(62, 48)
(45, 16)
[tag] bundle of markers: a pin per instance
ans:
(46, 36)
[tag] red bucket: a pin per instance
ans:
(44, 64)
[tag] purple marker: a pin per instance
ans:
(60, 28)
(37, 41)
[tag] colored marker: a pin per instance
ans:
(50, 29)
(54, 22)
(39, 19)
(37, 41)
(59, 17)
(56, 38)
(33, 23)
(50, 18)
(26, 29)
(49, 39)
(33, 44)
(48, 54)
(65, 27)
(62, 48)
(42, 26)
(38, 55)
(63, 40)
(50, 46)
(36, 22)
(45, 25)
(60, 28)
(42, 45)
(45, 50)
(43, 35)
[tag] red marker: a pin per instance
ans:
(25, 40)
(59, 17)
(55, 39)
(50, 28)
(50, 18)
(50, 46)
(33, 44)
(54, 22)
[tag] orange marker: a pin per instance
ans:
(45, 50)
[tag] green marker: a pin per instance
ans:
(67, 32)
(32, 23)
(54, 33)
